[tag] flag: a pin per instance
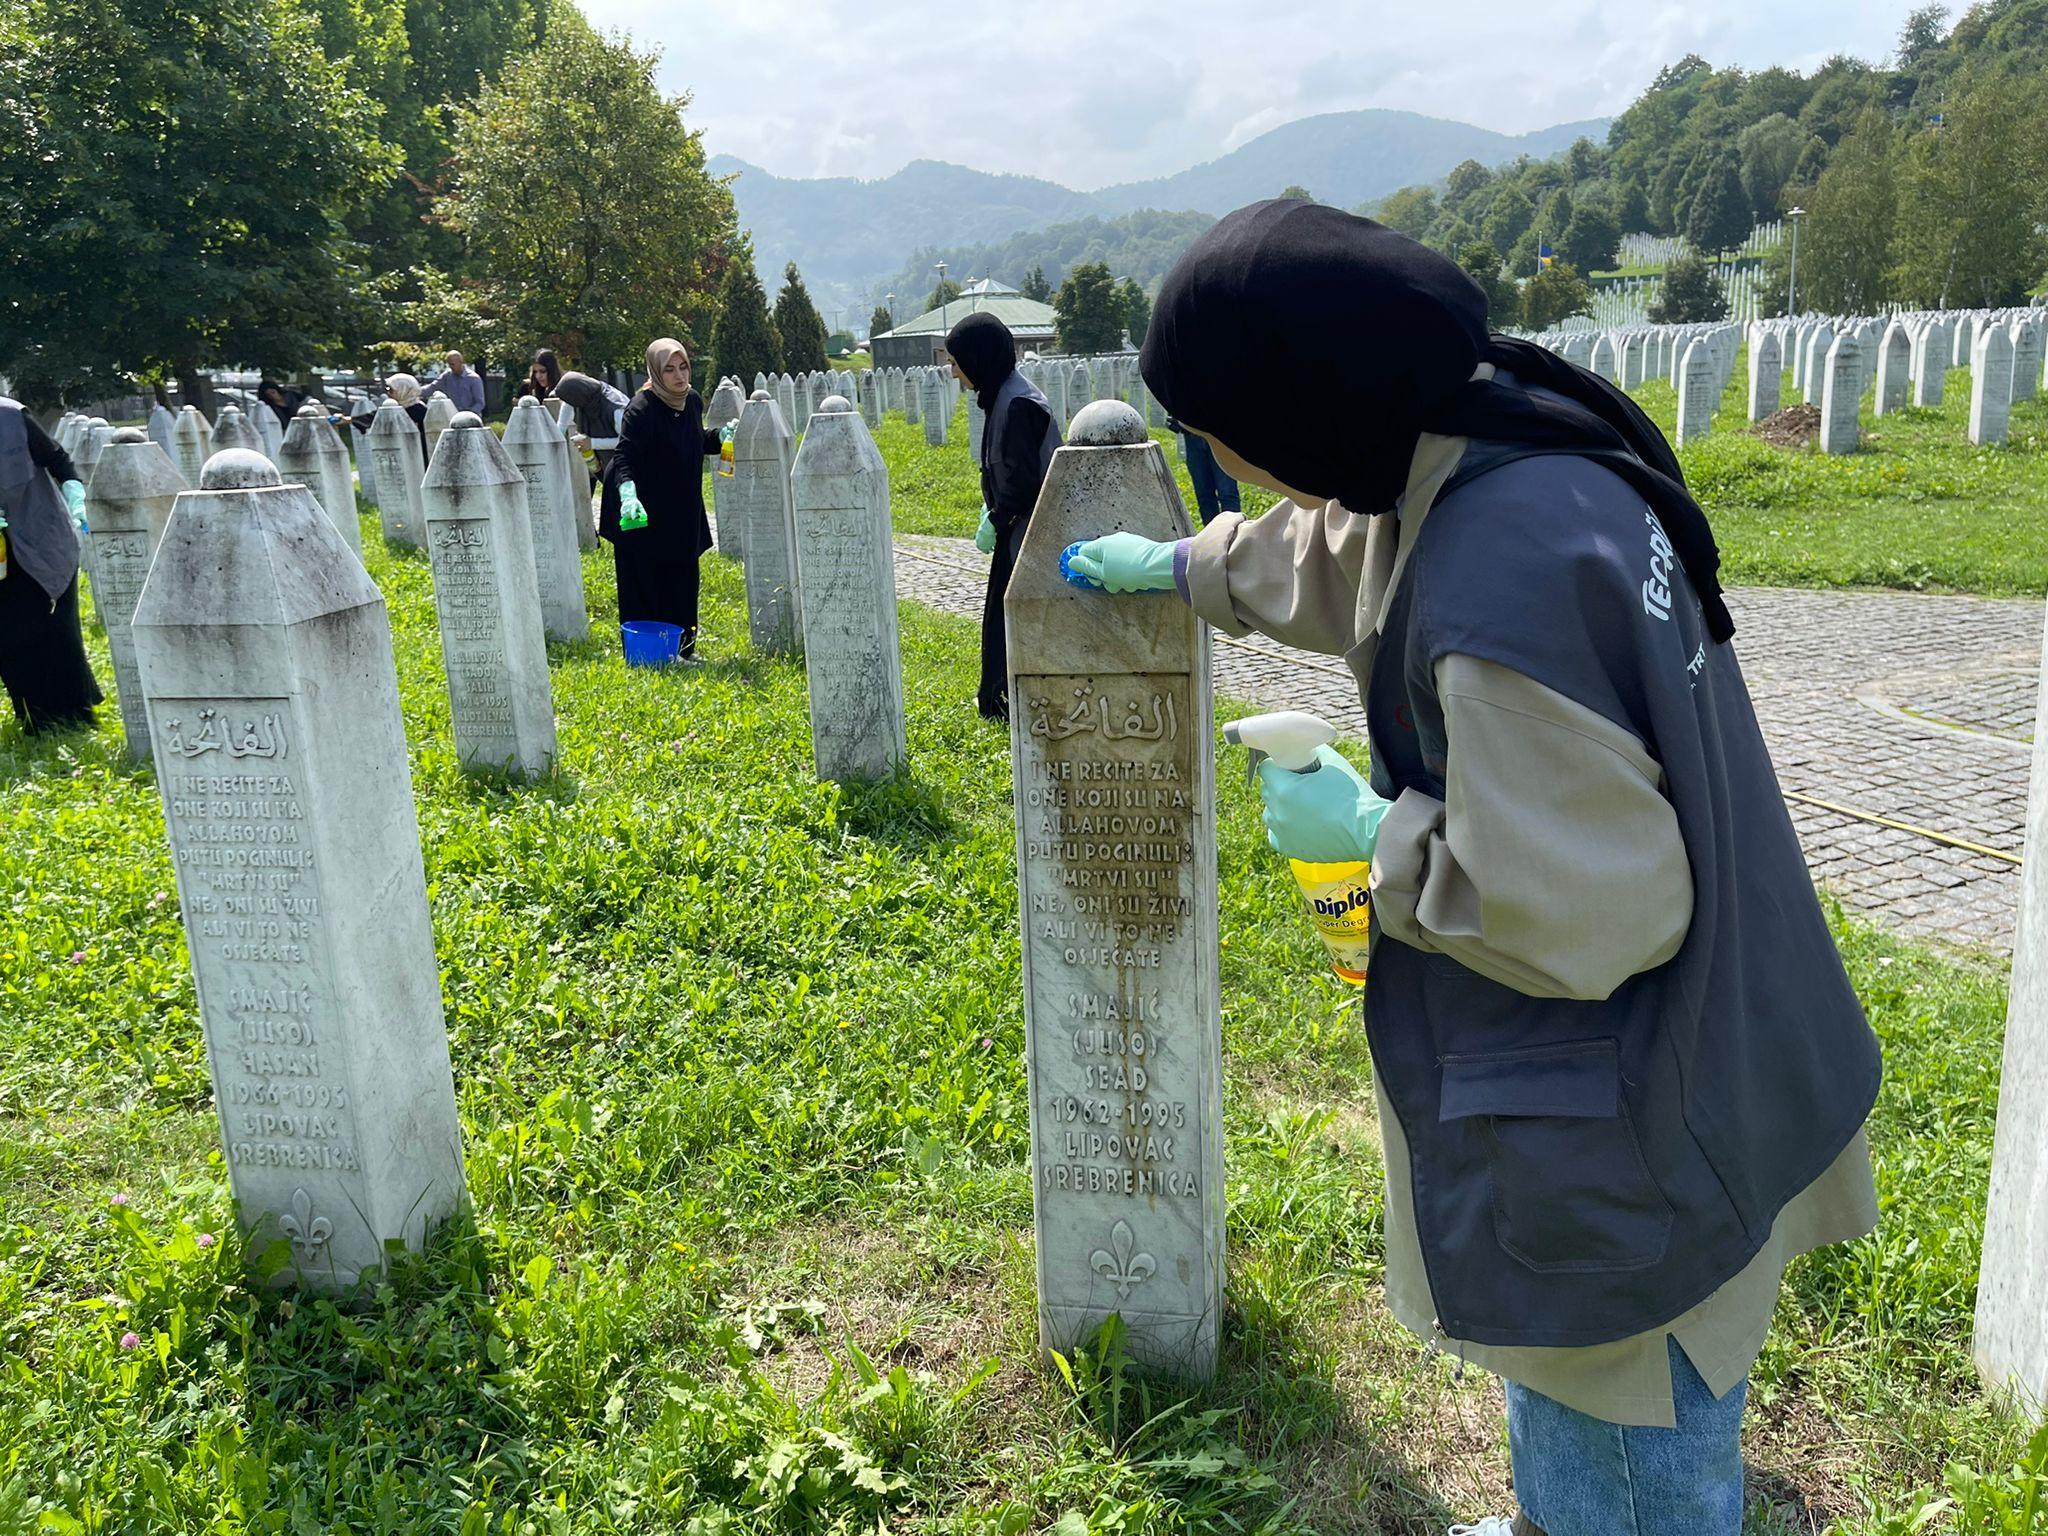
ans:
(1544, 255)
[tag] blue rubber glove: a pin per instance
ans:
(74, 498)
(1119, 562)
(985, 535)
(1329, 816)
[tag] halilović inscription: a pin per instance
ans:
(1110, 737)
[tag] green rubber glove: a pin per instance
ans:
(74, 498)
(985, 535)
(1120, 562)
(1327, 816)
(631, 514)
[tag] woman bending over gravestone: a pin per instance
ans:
(404, 392)
(1622, 1075)
(42, 513)
(1016, 450)
(653, 506)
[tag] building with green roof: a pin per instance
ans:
(921, 342)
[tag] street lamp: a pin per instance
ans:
(1792, 283)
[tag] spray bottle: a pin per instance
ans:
(725, 451)
(1335, 894)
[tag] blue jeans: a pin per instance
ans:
(1214, 490)
(1581, 1476)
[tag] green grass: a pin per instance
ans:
(738, 1058)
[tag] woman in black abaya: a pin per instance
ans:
(42, 651)
(658, 474)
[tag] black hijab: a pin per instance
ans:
(986, 352)
(1371, 339)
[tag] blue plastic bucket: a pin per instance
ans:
(649, 644)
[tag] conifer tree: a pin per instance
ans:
(744, 341)
(881, 320)
(798, 322)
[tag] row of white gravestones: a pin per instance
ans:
(1116, 870)
(760, 503)
(846, 570)
(479, 537)
(264, 655)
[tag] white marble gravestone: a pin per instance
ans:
(2026, 337)
(977, 423)
(726, 403)
(935, 408)
(2012, 1287)
(1894, 370)
(480, 540)
(870, 398)
(162, 423)
(541, 455)
(126, 506)
(1697, 395)
(1930, 363)
(440, 412)
(1110, 738)
(1990, 386)
(760, 500)
(314, 456)
(1841, 395)
(913, 395)
(394, 442)
(1818, 340)
(840, 489)
(1766, 375)
(265, 654)
(784, 390)
(233, 429)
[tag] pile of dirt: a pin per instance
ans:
(1793, 427)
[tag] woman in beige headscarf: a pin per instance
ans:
(404, 392)
(653, 508)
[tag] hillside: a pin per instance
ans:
(848, 235)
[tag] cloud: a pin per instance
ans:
(1090, 92)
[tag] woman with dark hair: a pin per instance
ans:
(1622, 1075)
(1017, 445)
(653, 506)
(43, 664)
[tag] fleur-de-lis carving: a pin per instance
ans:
(1119, 1265)
(309, 1233)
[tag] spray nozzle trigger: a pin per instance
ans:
(1290, 737)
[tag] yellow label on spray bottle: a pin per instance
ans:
(1339, 908)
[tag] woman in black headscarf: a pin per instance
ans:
(1017, 442)
(1622, 1074)
(43, 664)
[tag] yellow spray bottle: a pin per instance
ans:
(1334, 894)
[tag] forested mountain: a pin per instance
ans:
(1138, 245)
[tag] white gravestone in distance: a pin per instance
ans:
(760, 500)
(1818, 340)
(2011, 1343)
(785, 396)
(2026, 358)
(313, 456)
(913, 395)
(480, 541)
(265, 655)
(1841, 395)
(936, 408)
(1930, 364)
(162, 423)
(724, 410)
(1110, 738)
(541, 456)
(232, 429)
(1697, 395)
(1766, 375)
(1990, 386)
(127, 506)
(401, 464)
(1894, 369)
(847, 569)
(440, 412)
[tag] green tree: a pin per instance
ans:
(1690, 293)
(590, 221)
(1720, 208)
(945, 293)
(1411, 210)
(1767, 152)
(799, 324)
(1552, 295)
(1508, 219)
(1971, 199)
(1467, 179)
(137, 234)
(1088, 312)
(1921, 35)
(1503, 299)
(1299, 193)
(1035, 286)
(880, 321)
(1137, 310)
(743, 342)
(1845, 252)
(1592, 238)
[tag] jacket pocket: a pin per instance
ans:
(1571, 1191)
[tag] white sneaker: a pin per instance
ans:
(1492, 1525)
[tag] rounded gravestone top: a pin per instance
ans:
(188, 410)
(760, 394)
(1107, 424)
(97, 421)
(527, 402)
(465, 419)
(238, 469)
(130, 435)
(833, 405)
(309, 412)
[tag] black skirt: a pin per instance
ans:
(42, 656)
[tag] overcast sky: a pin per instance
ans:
(1092, 92)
